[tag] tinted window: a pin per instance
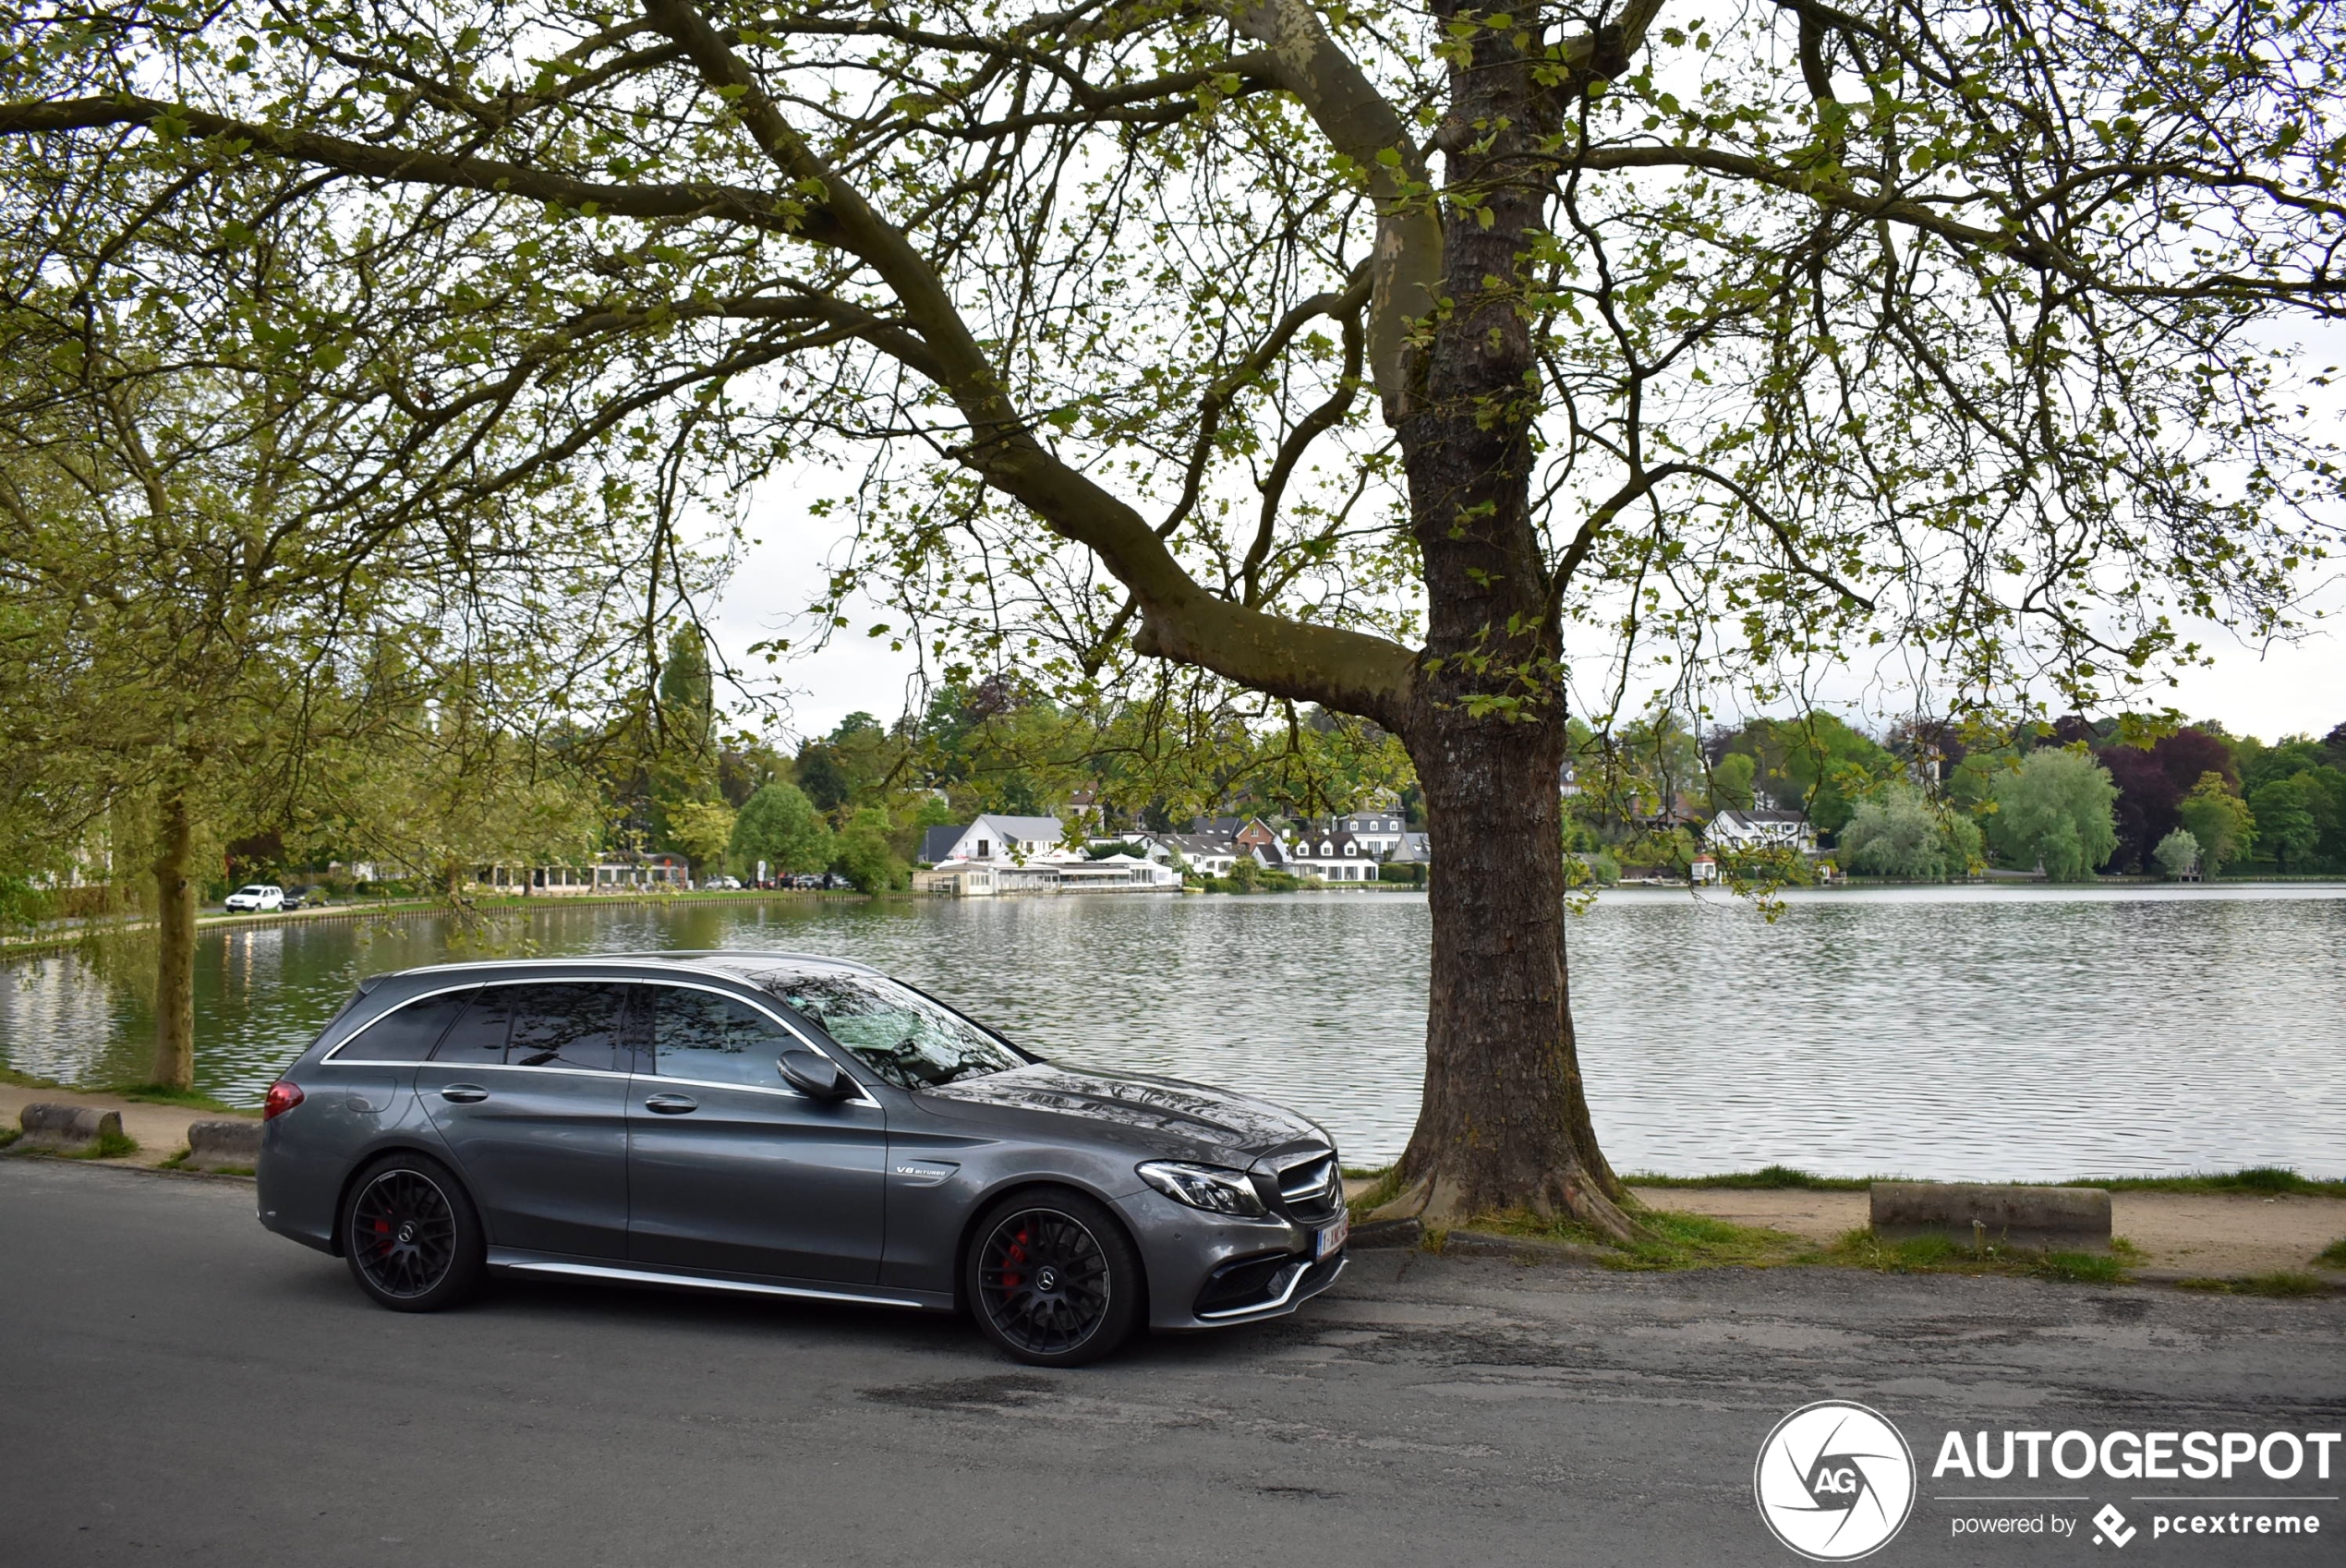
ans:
(408, 1033)
(571, 1026)
(899, 1033)
(478, 1037)
(700, 1034)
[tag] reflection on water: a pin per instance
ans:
(1973, 1032)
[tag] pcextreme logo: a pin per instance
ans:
(1834, 1481)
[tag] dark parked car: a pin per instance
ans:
(786, 1125)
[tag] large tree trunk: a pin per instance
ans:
(174, 870)
(1503, 1124)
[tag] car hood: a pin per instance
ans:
(1165, 1116)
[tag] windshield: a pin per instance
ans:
(256, 888)
(899, 1033)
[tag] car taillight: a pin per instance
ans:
(283, 1097)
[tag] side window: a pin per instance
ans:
(700, 1034)
(571, 1026)
(477, 1039)
(408, 1033)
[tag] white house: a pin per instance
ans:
(1332, 855)
(1208, 854)
(997, 839)
(1378, 833)
(1733, 831)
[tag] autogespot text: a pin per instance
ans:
(2130, 1456)
(2214, 1459)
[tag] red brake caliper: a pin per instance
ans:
(1016, 1255)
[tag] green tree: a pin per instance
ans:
(2219, 821)
(1706, 335)
(2056, 810)
(1817, 764)
(2177, 853)
(2287, 828)
(703, 831)
(780, 825)
(1898, 833)
(1731, 782)
(864, 856)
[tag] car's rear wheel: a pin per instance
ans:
(412, 1235)
(1053, 1279)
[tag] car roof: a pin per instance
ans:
(734, 963)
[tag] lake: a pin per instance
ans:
(1960, 1032)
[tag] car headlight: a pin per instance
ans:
(1210, 1187)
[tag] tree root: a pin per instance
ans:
(1439, 1201)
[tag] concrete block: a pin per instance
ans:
(214, 1144)
(66, 1127)
(2064, 1219)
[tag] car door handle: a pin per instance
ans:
(671, 1105)
(464, 1093)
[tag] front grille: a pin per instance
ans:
(1308, 1189)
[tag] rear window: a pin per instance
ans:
(408, 1033)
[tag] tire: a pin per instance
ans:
(1052, 1279)
(411, 1235)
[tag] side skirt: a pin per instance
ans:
(514, 1260)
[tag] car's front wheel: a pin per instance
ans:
(1053, 1279)
(412, 1235)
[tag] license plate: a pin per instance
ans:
(1330, 1238)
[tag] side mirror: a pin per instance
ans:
(811, 1072)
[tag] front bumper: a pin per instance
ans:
(1211, 1271)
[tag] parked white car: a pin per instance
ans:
(257, 898)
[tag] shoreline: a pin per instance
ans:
(400, 909)
(404, 908)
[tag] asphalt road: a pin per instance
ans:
(181, 1386)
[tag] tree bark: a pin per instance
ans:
(174, 869)
(1504, 1124)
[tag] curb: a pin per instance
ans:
(177, 1173)
(1373, 1235)
(1524, 1249)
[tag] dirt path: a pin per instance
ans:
(159, 1131)
(2216, 1234)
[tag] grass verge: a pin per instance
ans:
(109, 1146)
(188, 1099)
(1673, 1241)
(1939, 1255)
(10, 1135)
(2265, 1181)
(1767, 1176)
(2334, 1255)
(2281, 1282)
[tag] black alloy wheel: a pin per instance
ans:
(412, 1237)
(1054, 1280)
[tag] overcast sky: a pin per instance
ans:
(2266, 691)
(2263, 691)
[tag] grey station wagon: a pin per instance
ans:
(789, 1126)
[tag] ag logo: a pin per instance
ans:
(1834, 1481)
